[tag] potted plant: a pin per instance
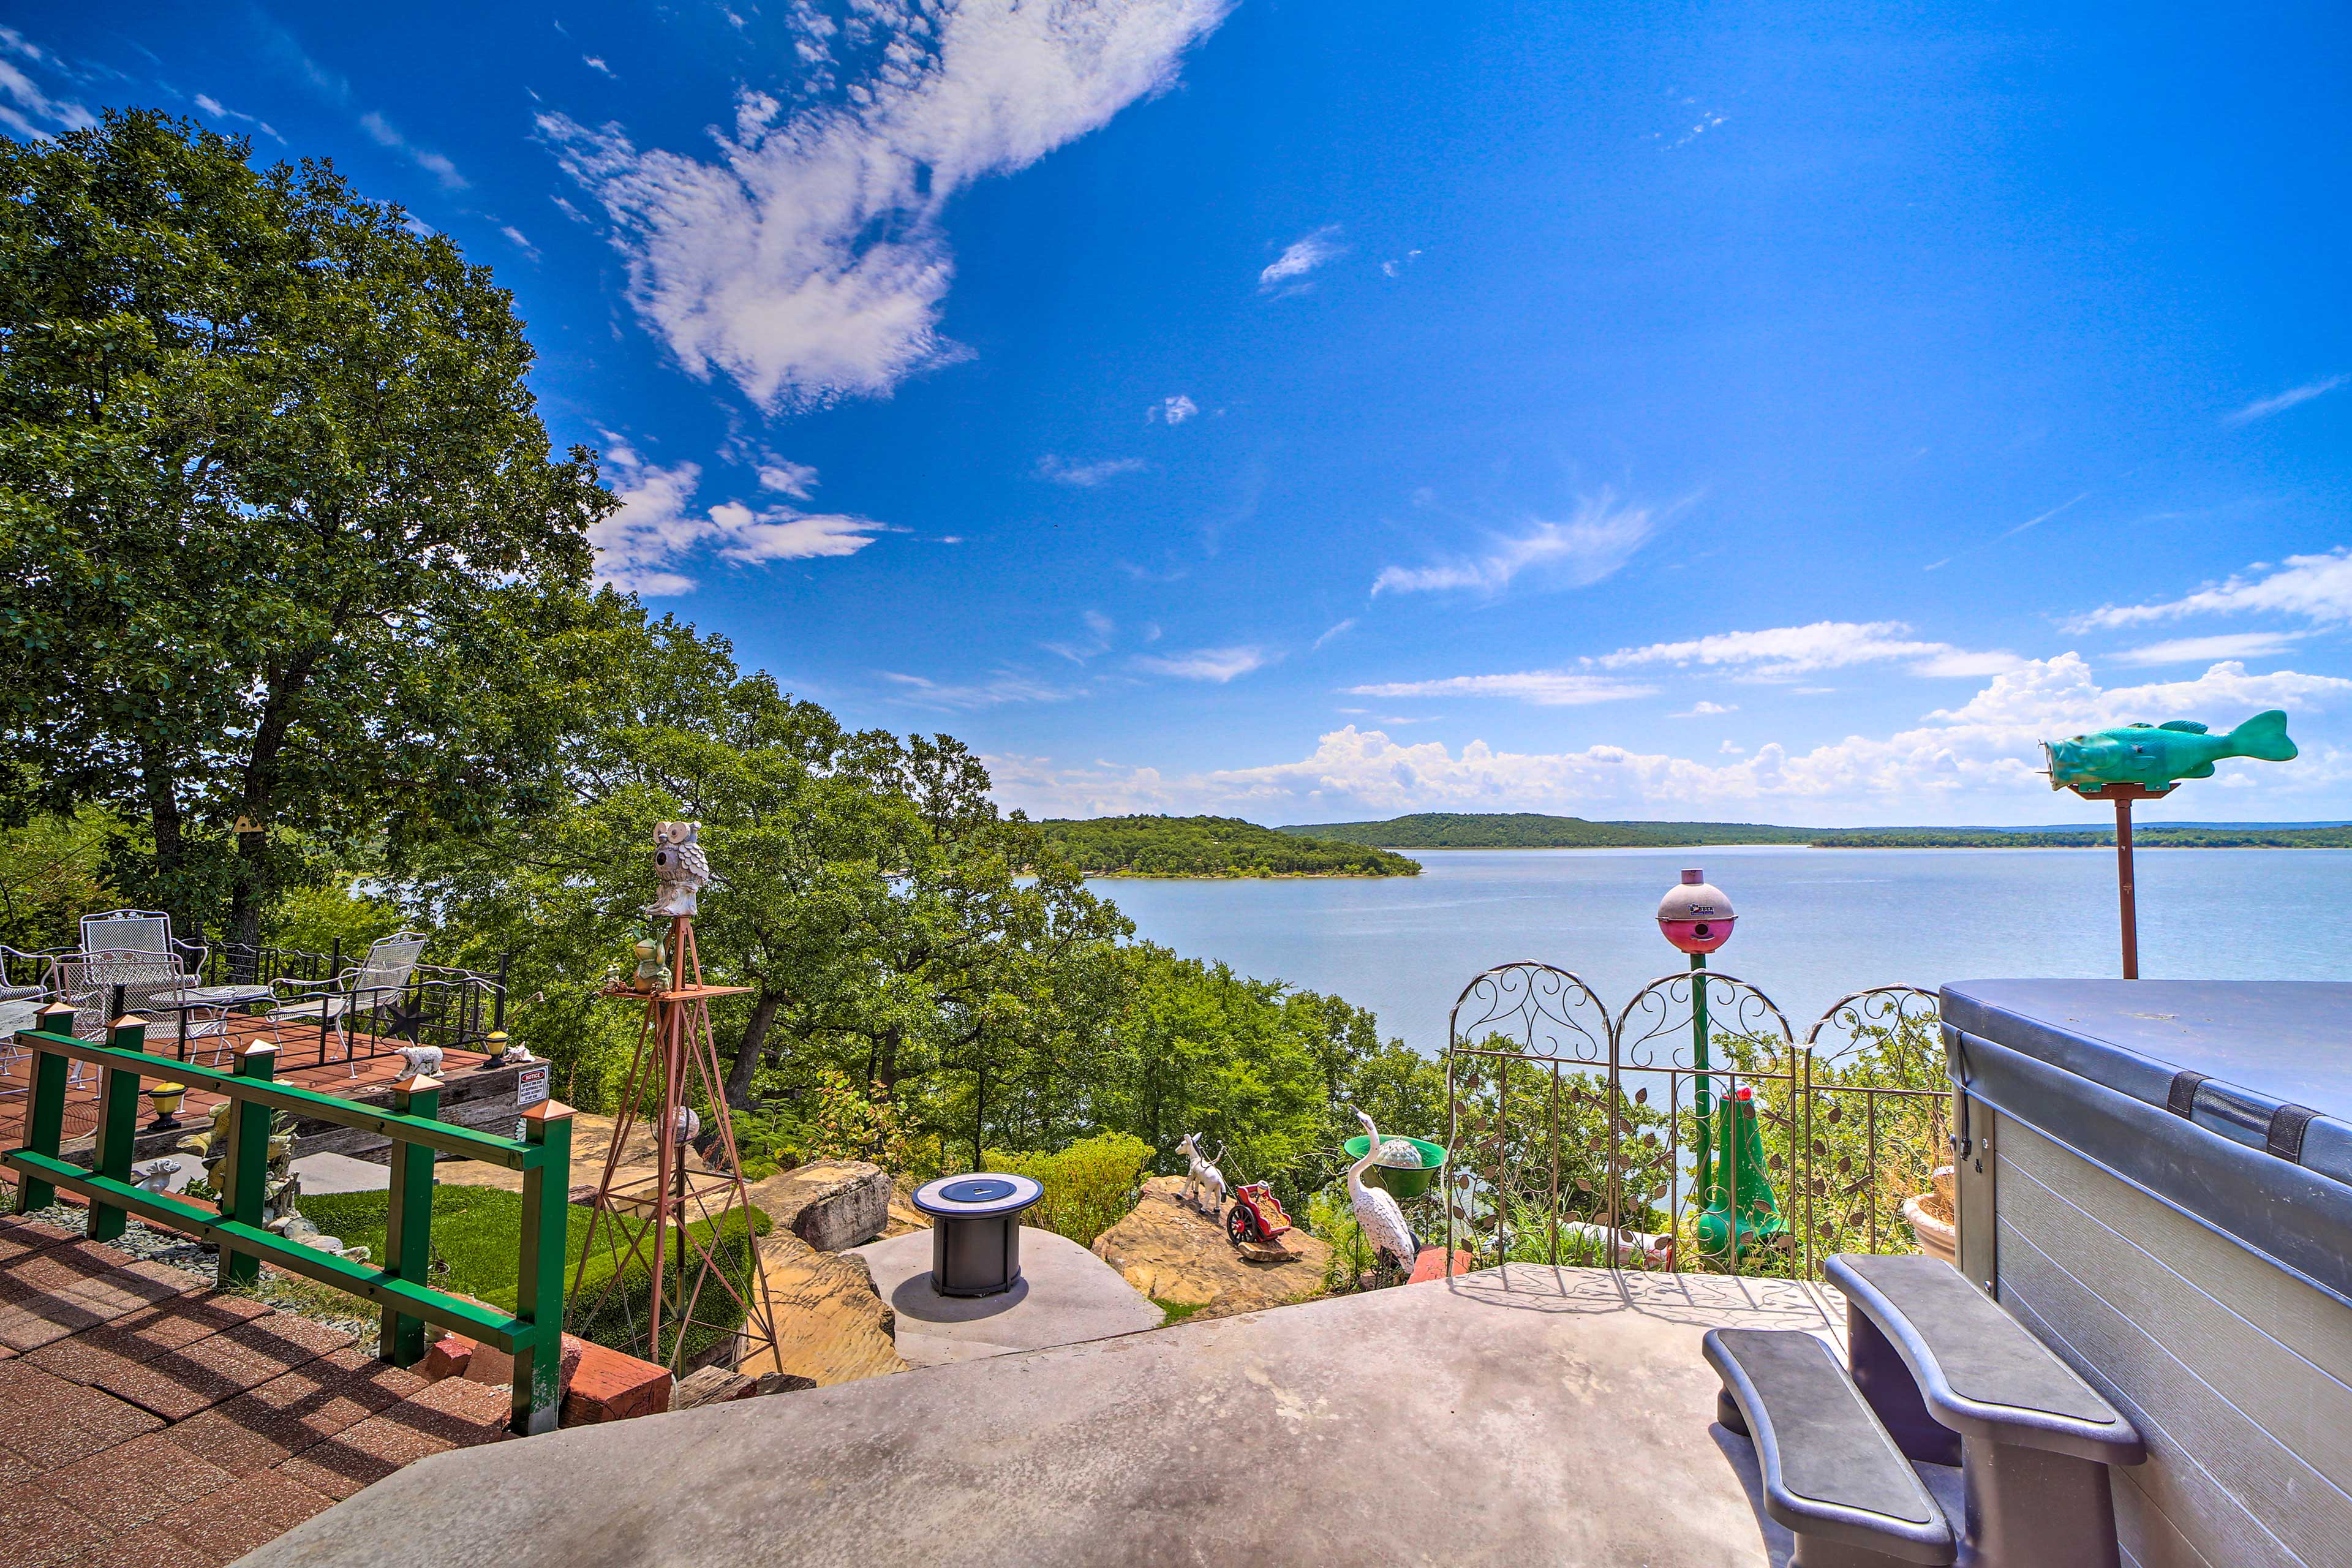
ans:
(1932, 1215)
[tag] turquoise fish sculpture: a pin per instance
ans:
(2158, 756)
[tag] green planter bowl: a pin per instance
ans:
(1400, 1184)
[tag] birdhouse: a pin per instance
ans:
(246, 825)
(1696, 916)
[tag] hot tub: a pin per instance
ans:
(2156, 1177)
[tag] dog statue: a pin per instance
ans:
(1204, 1185)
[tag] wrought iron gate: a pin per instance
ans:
(1571, 1131)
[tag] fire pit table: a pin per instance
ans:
(976, 1231)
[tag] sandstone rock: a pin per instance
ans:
(711, 1385)
(1172, 1252)
(830, 1203)
(831, 1325)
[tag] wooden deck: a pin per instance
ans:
(367, 1075)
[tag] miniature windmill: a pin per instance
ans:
(666, 1226)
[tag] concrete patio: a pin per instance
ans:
(1523, 1414)
(1065, 1295)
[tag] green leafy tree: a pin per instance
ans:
(279, 521)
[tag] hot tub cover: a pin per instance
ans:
(2232, 1100)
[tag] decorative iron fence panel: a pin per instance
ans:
(1692, 1130)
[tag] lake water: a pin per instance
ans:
(1814, 923)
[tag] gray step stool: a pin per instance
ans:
(1936, 1373)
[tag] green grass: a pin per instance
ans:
(1175, 1311)
(476, 1251)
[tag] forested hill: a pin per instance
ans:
(1210, 846)
(1531, 830)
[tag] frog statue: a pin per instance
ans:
(2158, 756)
(651, 972)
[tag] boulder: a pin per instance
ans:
(1173, 1252)
(832, 1326)
(830, 1203)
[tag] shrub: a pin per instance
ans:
(1089, 1187)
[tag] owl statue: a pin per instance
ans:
(680, 866)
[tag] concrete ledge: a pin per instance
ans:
(1517, 1416)
(1066, 1295)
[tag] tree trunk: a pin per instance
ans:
(886, 1073)
(163, 820)
(748, 1050)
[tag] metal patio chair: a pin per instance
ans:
(20, 1004)
(366, 986)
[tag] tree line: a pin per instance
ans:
(1210, 846)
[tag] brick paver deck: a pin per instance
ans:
(144, 1419)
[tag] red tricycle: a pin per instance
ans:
(1256, 1216)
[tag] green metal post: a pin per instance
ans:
(546, 1208)
(44, 1115)
(1702, 1097)
(247, 1184)
(117, 1125)
(408, 1218)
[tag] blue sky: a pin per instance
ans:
(1759, 413)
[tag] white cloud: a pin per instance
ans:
(1705, 710)
(1085, 476)
(1004, 686)
(1217, 664)
(2316, 587)
(797, 480)
(213, 106)
(1590, 546)
(516, 238)
(1396, 269)
(386, 135)
(28, 110)
(1976, 763)
(1299, 258)
(640, 546)
(1781, 652)
(808, 260)
(2263, 407)
(1545, 687)
(2192, 650)
(1175, 409)
(1340, 629)
(594, 64)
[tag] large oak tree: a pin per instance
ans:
(279, 525)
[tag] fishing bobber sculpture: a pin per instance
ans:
(1734, 1197)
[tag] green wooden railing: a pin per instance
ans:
(533, 1335)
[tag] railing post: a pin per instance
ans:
(247, 1186)
(44, 1111)
(408, 1219)
(118, 1124)
(546, 1210)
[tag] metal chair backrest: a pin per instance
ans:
(128, 930)
(87, 980)
(389, 964)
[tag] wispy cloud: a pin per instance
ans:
(2263, 407)
(1544, 688)
(386, 135)
(656, 530)
(517, 239)
(594, 64)
(2034, 522)
(1217, 664)
(2198, 650)
(1004, 686)
(1780, 652)
(1705, 710)
(25, 107)
(1592, 545)
(213, 106)
(1085, 476)
(808, 258)
(797, 480)
(1342, 629)
(1286, 272)
(1174, 410)
(2316, 587)
(1396, 266)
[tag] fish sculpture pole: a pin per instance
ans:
(2145, 762)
